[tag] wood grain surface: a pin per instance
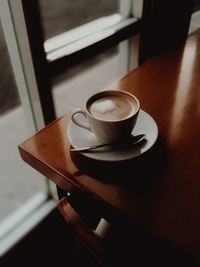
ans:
(161, 189)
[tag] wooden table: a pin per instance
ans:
(160, 190)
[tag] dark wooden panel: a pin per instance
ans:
(36, 40)
(164, 25)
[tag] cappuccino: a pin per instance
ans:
(112, 108)
(111, 115)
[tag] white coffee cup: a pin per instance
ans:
(111, 115)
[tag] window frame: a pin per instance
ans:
(14, 227)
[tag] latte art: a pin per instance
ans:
(112, 108)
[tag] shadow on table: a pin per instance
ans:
(142, 172)
(128, 241)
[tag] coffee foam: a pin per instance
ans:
(112, 108)
(104, 106)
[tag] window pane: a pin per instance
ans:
(78, 83)
(70, 14)
(18, 182)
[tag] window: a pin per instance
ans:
(75, 85)
(22, 189)
(72, 14)
(94, 41)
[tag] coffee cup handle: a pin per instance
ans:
(77, 122)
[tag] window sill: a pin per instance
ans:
(82, 37)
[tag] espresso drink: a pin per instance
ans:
(112, 107)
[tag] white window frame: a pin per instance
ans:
(89, 33)
(20, 222)
(70, 42)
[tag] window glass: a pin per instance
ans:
(18, 182)
(69, 14)
(79, 82)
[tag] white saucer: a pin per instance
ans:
(80, 137)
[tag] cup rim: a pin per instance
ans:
(111, 91)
